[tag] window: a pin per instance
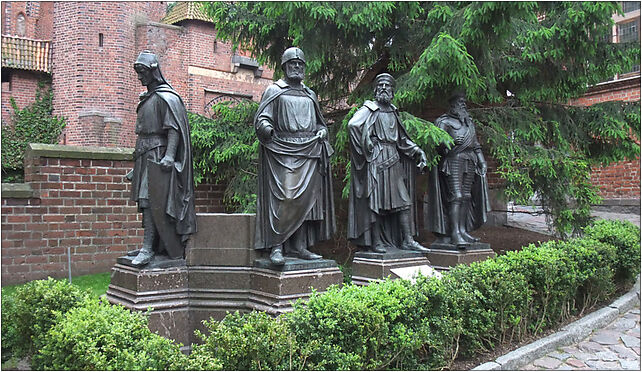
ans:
(101, 40)
(629, 6)
(6, 79)
(21, 27)
(629, 32)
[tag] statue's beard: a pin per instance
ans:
(383, 96)
(460, 113)
(295, 76)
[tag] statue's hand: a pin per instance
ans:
(459, 140)
(265, 133)
(322, 133)
(167, 162)
(483, 167)
(423, 161)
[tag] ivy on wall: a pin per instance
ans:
(32, 124)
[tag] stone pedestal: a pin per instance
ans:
(445, 256)
(369, 266)
(221, 273)
(163, 289)
(276, 288)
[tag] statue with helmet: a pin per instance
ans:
(295, 207)
(162, 178)
(384, 163)
(458, 201)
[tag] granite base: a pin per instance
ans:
(444, 256)
(369, 266)
(221, 273)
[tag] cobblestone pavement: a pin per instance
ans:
(614, 347)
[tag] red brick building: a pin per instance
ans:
(88, 50)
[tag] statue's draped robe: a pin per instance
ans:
(383, 177)
(159, 111)
(294, 169)
(438, 195)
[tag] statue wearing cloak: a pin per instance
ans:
(162, 178)
(382, 177)
(294, 182)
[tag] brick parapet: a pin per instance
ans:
(79, 199)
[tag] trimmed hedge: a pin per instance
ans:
(100, 336)
(427, 325)
(388, 325)
(32, 311)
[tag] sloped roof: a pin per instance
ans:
(183, 10)
(26, 54)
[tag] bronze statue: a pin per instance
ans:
(294, 207)
(162, 178)
(458, 197)
(382, 211)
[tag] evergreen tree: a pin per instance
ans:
(520, 64)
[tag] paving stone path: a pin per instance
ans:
(614, 347)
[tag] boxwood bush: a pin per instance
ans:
(100, 336)
(625, 237)
(32, 311)
(427, 325)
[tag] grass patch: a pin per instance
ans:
(96, 283)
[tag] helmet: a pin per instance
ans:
(458, 93)
(292, 53)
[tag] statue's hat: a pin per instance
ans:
(292, 53)
(385, 76)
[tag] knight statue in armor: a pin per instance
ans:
(294, 207)
(162, 178)
(384, 163)
(458, 198)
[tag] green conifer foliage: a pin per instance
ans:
(520, 64)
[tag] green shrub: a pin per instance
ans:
(11, 337)
(32, 311)
(550, 274)
(595, 268)
(625, 236)
(441, 339)
(399, 325)
(491, 302)
(382, 326)
(252, 341)
(99, 336)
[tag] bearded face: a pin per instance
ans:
(458, 108)
(294, 70)
(384, 92)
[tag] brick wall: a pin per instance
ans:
(197, 65)
(79, 201)
(620, 180)
(74, 197)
